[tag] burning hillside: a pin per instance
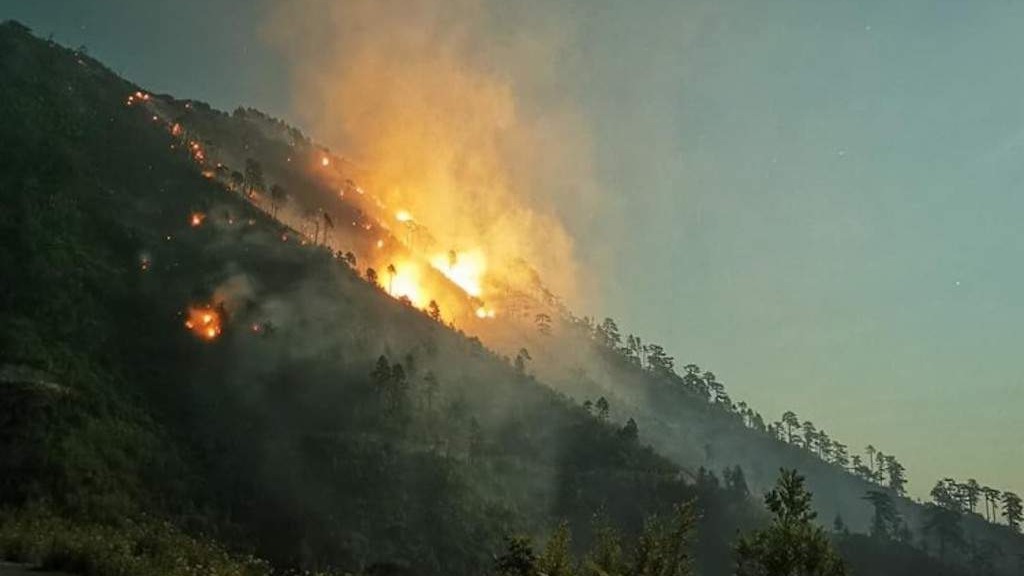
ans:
(443, 209)
(447, 142)
(324, 202)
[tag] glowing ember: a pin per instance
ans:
(465, 269)
(325, 161)
(204, 322)
(380, 243)
(403, 216)
(483, 312)
(196, 219)
(137, 96)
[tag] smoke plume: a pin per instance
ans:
(453, 110)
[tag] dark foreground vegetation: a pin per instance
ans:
(328, 427)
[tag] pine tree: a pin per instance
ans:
(605, 559)
(790, 422)
(663, 548)
(1012, 510)
(885, 521)
(556, 560)
(792, 544)
(629, 431)
(253, 175)
(839, 526)
(518, 558)
(434, 311)
(897, 475)
(278, 195)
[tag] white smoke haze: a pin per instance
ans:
(453, 114)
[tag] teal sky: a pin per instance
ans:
(818, 200)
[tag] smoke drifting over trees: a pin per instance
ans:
(433, 100)
(330, 426)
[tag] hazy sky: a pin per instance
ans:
(818, 200)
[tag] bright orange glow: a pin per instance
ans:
(406, 282)
(484, 312)
(196, 219)
(204, 322)
(442, 139)
(197, 151)
(325, 161)
(137, 96)
(380, 243)
(465, 269)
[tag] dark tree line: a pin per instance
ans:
(790, 544)
(662, 549)
(653, 359)
(970, 497)
(876, 467)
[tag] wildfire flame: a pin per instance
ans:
(196, 219)
(137, 96)
(404, 281)
(465, 269)
(403, 216)
(325, 161)
(484, 312)
(204, 322)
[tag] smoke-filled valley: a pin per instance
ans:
(230, 348)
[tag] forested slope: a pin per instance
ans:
(320, 424)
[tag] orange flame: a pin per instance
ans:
(196, 219)
(204, 322)
(465, 269)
